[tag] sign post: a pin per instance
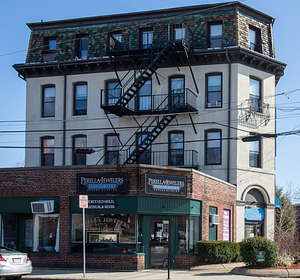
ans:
(83, 203)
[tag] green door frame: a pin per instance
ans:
(21, 228)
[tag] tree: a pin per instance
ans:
(285, 224)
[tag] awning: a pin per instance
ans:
(277, 202)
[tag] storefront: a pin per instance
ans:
(135, 217)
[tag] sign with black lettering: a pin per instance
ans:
(102, 204)
(102, 183)
(165, 184)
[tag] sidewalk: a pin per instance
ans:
(215, 271)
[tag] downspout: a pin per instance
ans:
(229, 116)
(64, 115)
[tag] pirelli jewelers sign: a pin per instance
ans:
(102, 183)
(165, 184)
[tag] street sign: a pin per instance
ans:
(83, 201)
(260, 256)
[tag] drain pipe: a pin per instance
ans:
(64, 115)
(229, 116)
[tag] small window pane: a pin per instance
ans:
(216, 30)
(52, 44)
(254, 87)
(147, 39)
(179, 33)
(214, 83)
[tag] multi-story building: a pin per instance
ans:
(177, 87)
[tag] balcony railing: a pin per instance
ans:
(186, 158)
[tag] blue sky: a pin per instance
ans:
(14, 35)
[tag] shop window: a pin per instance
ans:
(79, 141)
(214, 90)
(9, 231)
(80, 99)
(214, 35)
(46, 233)
(81, 46)
(113, 234)
(47, 151)
(111, 149)
(183, 234)
(176, 148)
(254, 153)
(252, 230)
(255, 39)
(255, 94)
(146, 38)
(144, 97)
(48, 101)
(145, 158)
(194, 233)
(113, 92)
(212, 147)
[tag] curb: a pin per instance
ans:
(280, 273)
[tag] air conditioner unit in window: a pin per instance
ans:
(213, 219)
(45, 206)
(214, 103)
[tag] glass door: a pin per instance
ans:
(159, 241)
(253, 230)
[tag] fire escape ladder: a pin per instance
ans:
(136, 149)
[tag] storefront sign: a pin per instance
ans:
(226, 225)
(102, 183)
(165, 184)
(254, 214)
(102, 204)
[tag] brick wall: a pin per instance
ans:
(61, 181)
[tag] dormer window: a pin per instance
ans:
(214, 35)
(255, 39)
(178, 32)
(81, 46)
(49, 49)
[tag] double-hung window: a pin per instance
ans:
(111, 149)
(176, 148)
(79, 141)
(214, 35)
(214, 90)
(113, 92)
(255, 94)
(176, 96)
(145, 158)
(146, 38)
(47, 151)
(212, 147)
(178, 32)
(81, 46)
(144, 97)
(80, 99)
(255, 39)
(254, 153)
(49, 49)
(48, 101)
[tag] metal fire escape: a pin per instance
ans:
(175, 102)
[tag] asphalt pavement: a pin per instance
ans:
(215, 271)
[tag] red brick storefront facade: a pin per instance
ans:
(61, 182)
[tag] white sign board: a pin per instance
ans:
(83, 201)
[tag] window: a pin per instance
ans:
(144, 97)
(146, 156)
(105, 233)
(111, 149)
(48, 109)
(254, 154)
(214, 90)
(79, 141)
(47, 151)
(214, 35)
(178, 32)
(255, 94)
(49, 44)
(176, 148)
(176, 91)
(113, 92)
(255, 39)
(81, 46)
(115, 42)
(146, 38)
(212, 147)
(80, 99)
(46, 233)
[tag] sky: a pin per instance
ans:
(15, 34)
